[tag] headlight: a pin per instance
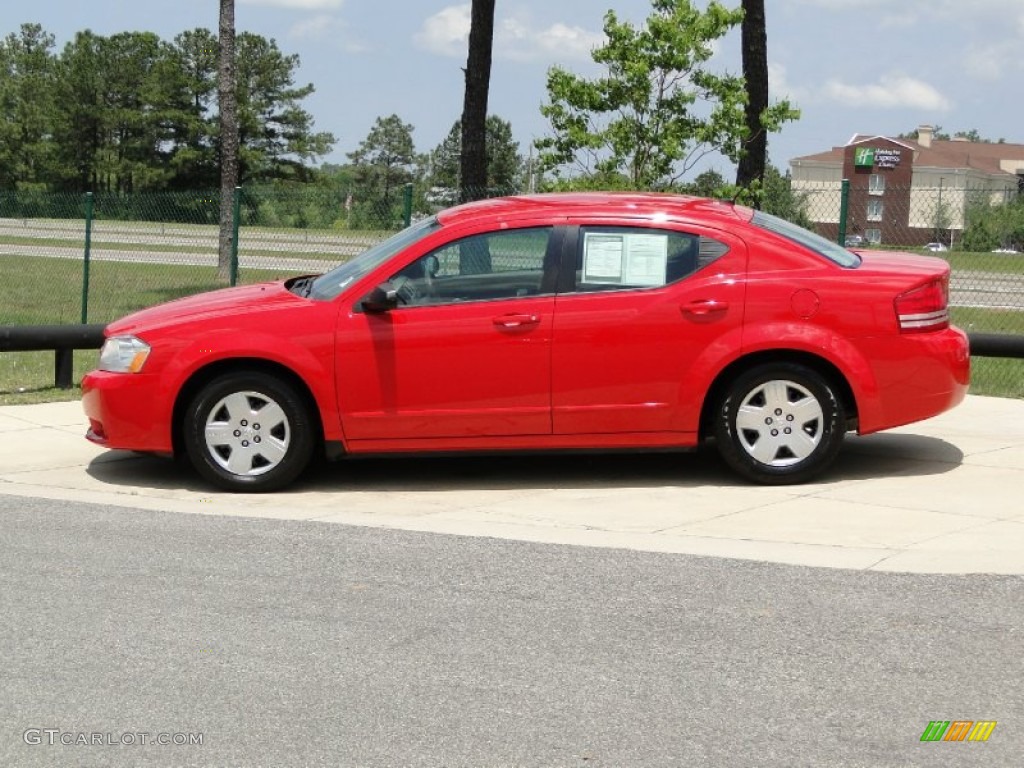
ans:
(123, 354)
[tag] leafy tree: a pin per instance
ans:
(130, 112)
(707, 184)
(504, 163)
(275, 132)
(940, 135)
(26, 106)
(382, 164)
(79, 129)
(994, 226)
(194, 160)
(779, 198)
(658, 110)
(474, 159)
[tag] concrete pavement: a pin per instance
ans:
(942, 496)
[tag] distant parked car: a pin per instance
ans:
(558, 322)
(853, 241)
(936, 247)
(1005, 250)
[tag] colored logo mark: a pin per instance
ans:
(863, 156)
(958, 730)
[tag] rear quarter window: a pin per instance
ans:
(812, 241)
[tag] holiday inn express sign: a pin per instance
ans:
(869, 157)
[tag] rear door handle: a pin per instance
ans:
(514, 321)
(704, 307)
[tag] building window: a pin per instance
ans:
(875, 209)
(876, 184)
(873, 235)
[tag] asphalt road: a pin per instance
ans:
(288, 643)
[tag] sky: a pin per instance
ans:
(851, 66)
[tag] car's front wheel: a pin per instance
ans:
(248, 431)
(780, 423)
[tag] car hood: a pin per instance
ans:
(226, 302)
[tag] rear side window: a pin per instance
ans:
(624, 258)
(810, 240)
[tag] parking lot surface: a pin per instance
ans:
(942, 496)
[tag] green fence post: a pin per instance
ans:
(407, 205)
(844, 204)
(85, 262)
(236, 215)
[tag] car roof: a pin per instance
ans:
(640, 205)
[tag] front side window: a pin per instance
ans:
(875, 210)
(497, 265)
(876, 184)
(332, 283)
(622, 258)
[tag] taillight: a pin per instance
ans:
(925, 308)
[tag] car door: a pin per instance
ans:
(639, 313)
(467, 351)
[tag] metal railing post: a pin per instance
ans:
(85, 262)
(407, 205)
(844, 204)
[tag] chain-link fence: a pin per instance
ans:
(72, 258)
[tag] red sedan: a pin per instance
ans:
(570, 321)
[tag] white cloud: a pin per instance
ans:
(304, 5)
(780, 88)
(446, 33)
(890, 92)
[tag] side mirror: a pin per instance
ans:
(381, 299)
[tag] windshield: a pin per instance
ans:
(330, 284)
(820, 245)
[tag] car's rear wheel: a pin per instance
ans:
(780, 423)
(248, 431)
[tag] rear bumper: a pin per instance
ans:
(919, 376)
(127, 411)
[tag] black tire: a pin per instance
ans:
(780, 424)
(249, 432)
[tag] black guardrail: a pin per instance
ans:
(996, 345)
(62, 339)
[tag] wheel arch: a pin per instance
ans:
(819, 364)
(203, 376)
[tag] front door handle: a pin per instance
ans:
(516, 321)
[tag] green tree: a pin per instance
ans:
(779, 198)
(382, 164)
(504, 163)
(80, 124)
(27, 77)
(275, 133)
(194, 160)
(658, 109)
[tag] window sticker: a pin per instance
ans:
(625, 259)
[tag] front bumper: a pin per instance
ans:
(128, 411)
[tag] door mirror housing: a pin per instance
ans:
(383, 298)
